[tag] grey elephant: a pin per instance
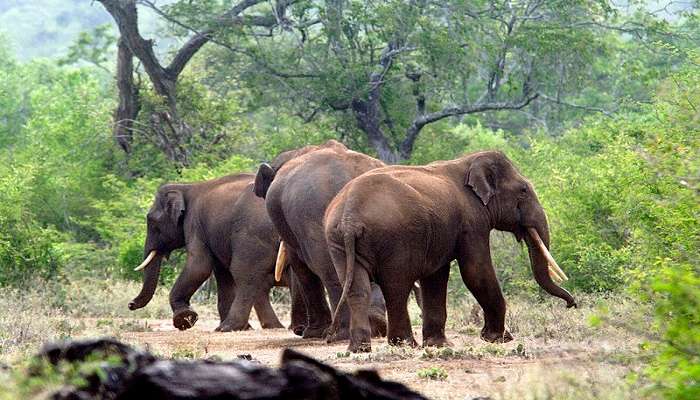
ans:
(297, 187)
(399, 224)
(226, 231)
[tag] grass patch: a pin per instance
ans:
(433, 373)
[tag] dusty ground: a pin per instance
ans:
(526, 367)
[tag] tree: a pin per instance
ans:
(166, 124)
(391, 68)
(395, 67)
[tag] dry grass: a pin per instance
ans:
(556, 353)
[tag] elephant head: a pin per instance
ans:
(266, 172)
(511, 205)
(165, 233)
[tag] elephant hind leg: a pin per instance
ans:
(377, 312)
(266, 314)
(299, 316)
(313, 294)
(399, 330)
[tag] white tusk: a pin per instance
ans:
(552, 265)
(281, 262)
(147, 261)
(553, 274)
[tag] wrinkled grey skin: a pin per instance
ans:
(297, 187)
(400, 224)
(225, 230)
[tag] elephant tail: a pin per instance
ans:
(349, 242)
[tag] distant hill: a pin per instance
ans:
(46, 28)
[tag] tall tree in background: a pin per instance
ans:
(166, 124)
(394, 67)
(390, 68)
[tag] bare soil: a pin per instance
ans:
(476, 369)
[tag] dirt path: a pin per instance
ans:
(474, 368)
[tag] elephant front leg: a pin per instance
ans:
(197, 269)
(434, 303)
(480, 277)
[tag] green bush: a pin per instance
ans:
(26, 248)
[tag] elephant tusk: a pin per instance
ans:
(553, 274)
(281, 262)
(552, 265)
(147, 261)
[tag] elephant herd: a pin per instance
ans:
(331, 223)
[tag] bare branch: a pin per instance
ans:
(422, 120)
(557, 100)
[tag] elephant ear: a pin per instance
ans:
(480, 178)
(175, 205)
(263, 180)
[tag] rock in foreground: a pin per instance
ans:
(129, 374)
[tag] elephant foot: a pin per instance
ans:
(229, 327)
(184, 319)
(360, 347)
(496, 337)
(403, 341)
(436, 341)
(297, 329)
(378, 324)
(271, 325)
(342, 334)
(314, 332)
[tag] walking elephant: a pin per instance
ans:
(225, 229)
(402, 223)
(297, 187)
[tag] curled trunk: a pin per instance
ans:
(540, 268)
(150, 281)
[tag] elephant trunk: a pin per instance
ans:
(150, 282)
(540, 261)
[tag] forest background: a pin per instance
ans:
(595, 101)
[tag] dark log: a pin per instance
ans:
(141, 375)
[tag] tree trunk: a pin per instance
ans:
(368, 119)
(129, 104)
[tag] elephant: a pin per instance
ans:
(225, 229)
(297, 187)
(399, 224)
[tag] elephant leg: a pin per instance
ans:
(197, 269)
(330, 281)
(419, 298)
(319, 315)
(299, 317)
(266, 314)
(252, 286)
(399, 331)
(358, 300)
(480, 277)
(225, 292)
(434, 301)
(377, 312)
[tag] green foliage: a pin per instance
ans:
(620, 189)
(433, 373)
(42, 377)
(26, 248)
(95, 47)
